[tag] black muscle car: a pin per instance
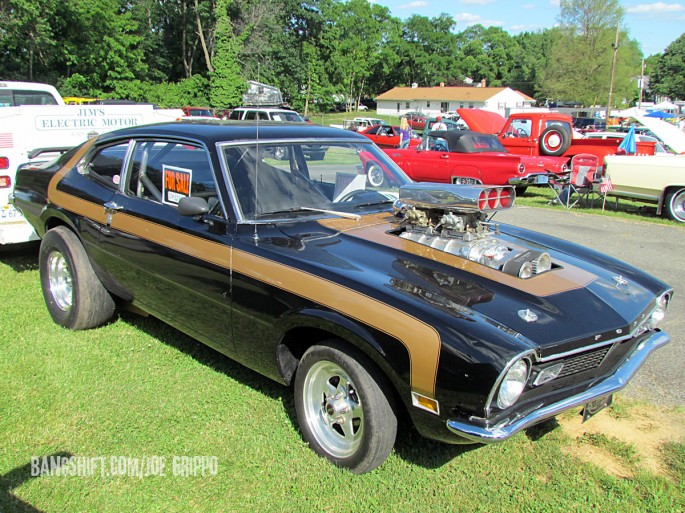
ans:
(369, 293)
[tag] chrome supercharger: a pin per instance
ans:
(452, 218)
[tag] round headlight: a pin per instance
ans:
(658, 314)
(512, 384)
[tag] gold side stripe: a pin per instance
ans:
(421, 340)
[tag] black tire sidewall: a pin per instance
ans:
(91, 303)
(379, 419)
(670, 211)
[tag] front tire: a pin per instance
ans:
(75, 297)
(345, 415)
(675, 205)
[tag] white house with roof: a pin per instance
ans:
(442, 99)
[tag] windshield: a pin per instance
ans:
(283, 180)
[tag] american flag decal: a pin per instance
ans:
(6, 140)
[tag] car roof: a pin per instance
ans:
(270, 109)
(210, 131)
(460, 140)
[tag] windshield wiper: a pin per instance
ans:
(299, 210)
(371, 203)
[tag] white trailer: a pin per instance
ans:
(36, 125)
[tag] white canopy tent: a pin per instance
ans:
(666, 106)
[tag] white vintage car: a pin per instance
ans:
(658, 179)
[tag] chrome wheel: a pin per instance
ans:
(333, 409)
(675, 205)
(60, 281)
(375, 175)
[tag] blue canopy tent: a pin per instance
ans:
(661, 114)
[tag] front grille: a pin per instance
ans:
(583, 361)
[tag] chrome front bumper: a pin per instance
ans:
(611, 384)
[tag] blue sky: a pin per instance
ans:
(654, 25)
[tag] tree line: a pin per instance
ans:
(318, 52)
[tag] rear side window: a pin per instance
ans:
(166, 172)
(236, 114)
(106, 165)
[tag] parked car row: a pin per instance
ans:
(377, 298)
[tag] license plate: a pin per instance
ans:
(594, 407)
(9, 213)
(543, 179)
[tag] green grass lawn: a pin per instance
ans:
(137, 388)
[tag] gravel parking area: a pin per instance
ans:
(657, 249)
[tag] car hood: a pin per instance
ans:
(587, 298)
(483, 121)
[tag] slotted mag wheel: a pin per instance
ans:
(333, 409)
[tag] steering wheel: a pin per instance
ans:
(355, 193)
(521, 132)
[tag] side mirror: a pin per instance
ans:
(193, 206)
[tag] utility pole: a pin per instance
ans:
(642, 83)
(613, 68)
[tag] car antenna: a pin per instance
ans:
(255, 236)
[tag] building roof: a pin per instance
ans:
(445, 93)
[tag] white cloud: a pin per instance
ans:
(554, 3)
(655, 9)
(413, 5)
(475, 19)
(526, 28)
(476, 2)
(467, 17)
(528, 6)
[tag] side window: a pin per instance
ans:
(235, 114)
(520, 128)
(166, 172)
(557, 122)
(106, 165)
(251, 115)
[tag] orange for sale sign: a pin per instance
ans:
(177, 182)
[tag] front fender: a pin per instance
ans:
(308, 326)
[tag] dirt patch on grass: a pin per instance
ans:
(644, 427)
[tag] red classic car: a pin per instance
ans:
(388, 136)
(463, 156)
(416, 120)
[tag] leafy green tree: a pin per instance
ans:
(487, 54)
(226, 83)
(429, 53)
(579, 64)
(27, 39)
(351, 42)
(668, 75)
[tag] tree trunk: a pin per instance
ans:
(200, 33)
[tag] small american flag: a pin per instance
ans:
(6, 140)
(606, 185)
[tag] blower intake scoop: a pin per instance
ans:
(451, 218)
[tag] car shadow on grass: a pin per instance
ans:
(20, 257)
(410, 445)
(20, 475)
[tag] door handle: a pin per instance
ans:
(111, 207)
